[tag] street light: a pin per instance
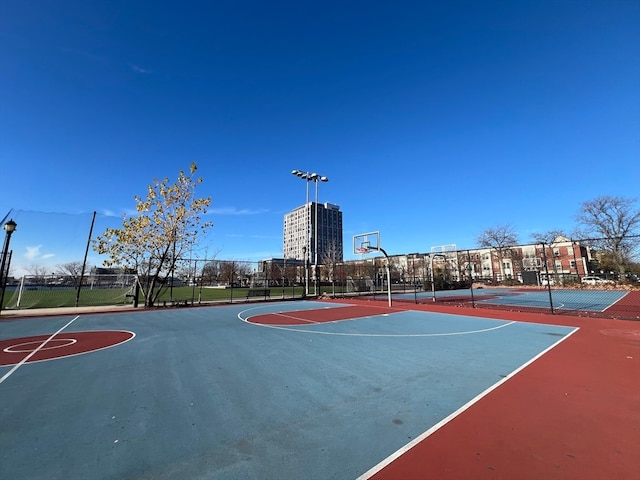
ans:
(9, 228)
(312, 177)
(306, 249)
(317, 178)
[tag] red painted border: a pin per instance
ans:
(573, 413)
(305, 317)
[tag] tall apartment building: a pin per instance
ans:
(300, 232)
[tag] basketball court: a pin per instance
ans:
(315, 389)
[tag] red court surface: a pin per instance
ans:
(627, 306)
(302, 317)
(42, 347)
(572, 414)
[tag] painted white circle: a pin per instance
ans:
(245, 316)
(19, 347)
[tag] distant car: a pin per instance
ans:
(592, 280)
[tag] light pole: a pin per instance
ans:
(306, 249)
(9, 228)
(317, 178)
(312, 177)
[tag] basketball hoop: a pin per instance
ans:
(362, 249)
(365, 243)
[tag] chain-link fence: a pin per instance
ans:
(597, 276)
(566, 276)
(196, 282)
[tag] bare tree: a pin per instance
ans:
(71, 269)
(499, 239)
(274, 272)
(210, 272)
(416, 267)
(351, 273)
(550, 239)
(228, 272)
(330, 259)
(396, 270)
(37, 271)
(288, 273)
(614, 224)
(244, 272)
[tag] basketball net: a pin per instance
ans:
(363, 249)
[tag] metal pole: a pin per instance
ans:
(388, 274)
(9, 227)
(317, 178)
(305, 269)
(4, 282)
(193, 280)
(307, 259)
(388, 279)
(413, 270)
(308, 255)
(5, 250)
(433, 286)
(546, 271)
(473, 303)
(306, 249)
(84, 263)
(575, 260)
(315, 236)
(266, 280)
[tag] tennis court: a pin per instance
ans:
(567, 299)
(271, 390)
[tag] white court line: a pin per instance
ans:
(621, 297)
(388, 335)
(26, 359)
(394, 456)
(288, 316)
(341, 334)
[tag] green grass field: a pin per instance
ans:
(44, 297)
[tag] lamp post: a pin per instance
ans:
(317, 178)
(306, 249)
(312, 177)
(9, 228)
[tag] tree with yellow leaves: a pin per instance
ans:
(166, 226)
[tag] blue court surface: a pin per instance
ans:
(587, 300)
(203, 393)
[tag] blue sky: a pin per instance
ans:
(433, 120)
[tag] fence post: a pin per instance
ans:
(546, 272)
(470, 270)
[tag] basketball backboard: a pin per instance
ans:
(364, 243)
